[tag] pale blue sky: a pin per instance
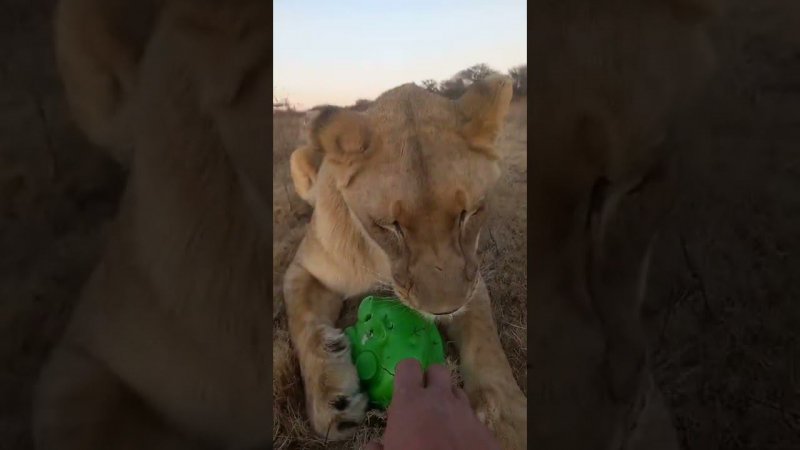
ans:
(338, 51)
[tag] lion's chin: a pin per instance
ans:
(406, 299)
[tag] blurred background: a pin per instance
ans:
(339, 52)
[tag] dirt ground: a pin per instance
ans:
(722, 299)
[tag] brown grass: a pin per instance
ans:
(503, 252)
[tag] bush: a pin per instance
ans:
(431, 86)
(458, 83)
(452, 88)
(475, 73)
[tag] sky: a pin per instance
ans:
(335, 52)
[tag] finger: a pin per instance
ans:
(374, 445)
(438, 377)
(460, 394)
(408, 375)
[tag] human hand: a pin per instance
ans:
(428, 412)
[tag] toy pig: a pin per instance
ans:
(386, 333)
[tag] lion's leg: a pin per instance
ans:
(488, 379)
(334, 404)
(81, 405)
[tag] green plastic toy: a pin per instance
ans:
(386, 333)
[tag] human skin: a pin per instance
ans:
(428, 412)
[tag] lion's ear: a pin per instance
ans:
(308, 120)
(304, 165)
(343, 135)
(484, 107)
(98, 46)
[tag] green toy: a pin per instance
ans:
(386, 333)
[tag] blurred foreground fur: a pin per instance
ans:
(169, 344)
(607, 77)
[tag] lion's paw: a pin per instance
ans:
(505, 415)
(336, 406)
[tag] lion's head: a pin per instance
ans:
(413, 172)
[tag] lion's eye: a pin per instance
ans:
(393, 227)
(397, 228)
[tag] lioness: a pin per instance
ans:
(400, 194)
(169, 345)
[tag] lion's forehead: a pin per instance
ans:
(423, 160)
(410, 107)
(434, 178)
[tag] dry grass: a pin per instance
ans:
(503, 252)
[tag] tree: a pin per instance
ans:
(452, 88)
(476, 72)
(520, 76)
(431, 86)
(457, 84)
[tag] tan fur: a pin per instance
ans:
(606, 76)
(303, 162)
(303, 165)
(400, 198)
(169, 346)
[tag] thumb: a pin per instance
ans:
(374, 445)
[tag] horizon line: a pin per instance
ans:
(302, 107)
